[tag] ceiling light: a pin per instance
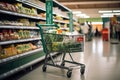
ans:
(106, 15)
(116, 10)
(76, 12)
(80, 14)
(112, 14)
(97, 22)
(86, 16)
(104, 11)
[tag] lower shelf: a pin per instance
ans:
(20, 64)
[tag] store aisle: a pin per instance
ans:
(102, 61)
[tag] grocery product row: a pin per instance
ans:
(10, 34)
(15, 49)
(19, 8)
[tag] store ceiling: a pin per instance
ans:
(91, 7)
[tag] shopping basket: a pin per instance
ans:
(60, 43)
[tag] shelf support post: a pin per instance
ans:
(71, 21)
(49, 11)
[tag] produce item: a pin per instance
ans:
(33, 12)
(1, 53)
(3, 6)
(24, 21)
(58, 18)
(15, 35)
(20, 33)
(32, 23)
(1, 37)
(32, 46)
(8, 51)
(19, 48)
(42, 15)
(13, 49)
(19, 7)
(6, 36)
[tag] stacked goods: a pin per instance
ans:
(25, 47)
(9, 34)
(18, 8)
(7, 51)
(58, 17)
(19, 22)
(10, 50)
(7, 6)
(25, 10)
(43, 15)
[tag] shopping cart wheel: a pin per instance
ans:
(44, 68)
(69, 73)
(63, 64)
(82, 70)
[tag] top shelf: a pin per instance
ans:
(40, 8)
(31, 4)
(61, 6)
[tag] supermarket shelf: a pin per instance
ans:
(61, 21)
(31, 4)
(39, 7)
(62, 6)
(18, 41)
(19, 14)
(23, 67)
(19, 55)
(17, 27)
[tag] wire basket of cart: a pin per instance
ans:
(61, 43)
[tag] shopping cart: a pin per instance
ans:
(53, 42)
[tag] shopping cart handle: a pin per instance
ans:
(48, 25)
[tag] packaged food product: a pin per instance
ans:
(1, 36)
(19, 48)
(6, 36)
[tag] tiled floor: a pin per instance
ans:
(102, 61)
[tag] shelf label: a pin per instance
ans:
(49, 12)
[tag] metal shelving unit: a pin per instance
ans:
(31, 4)
(23, 67)
(19, 55)
(19, 14)
(18, 27)
(29, 53)
(18, 41)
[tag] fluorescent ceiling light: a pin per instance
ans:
(76, 12)
(104, 11)
(80, 14)
(86, 16)
(97, 22)
(112, 14)
(116, 10)
(107, 16)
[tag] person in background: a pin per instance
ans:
(89, 31)
(84, 29)
(96, 32)
(117, 26)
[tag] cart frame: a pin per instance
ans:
(49, 56)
